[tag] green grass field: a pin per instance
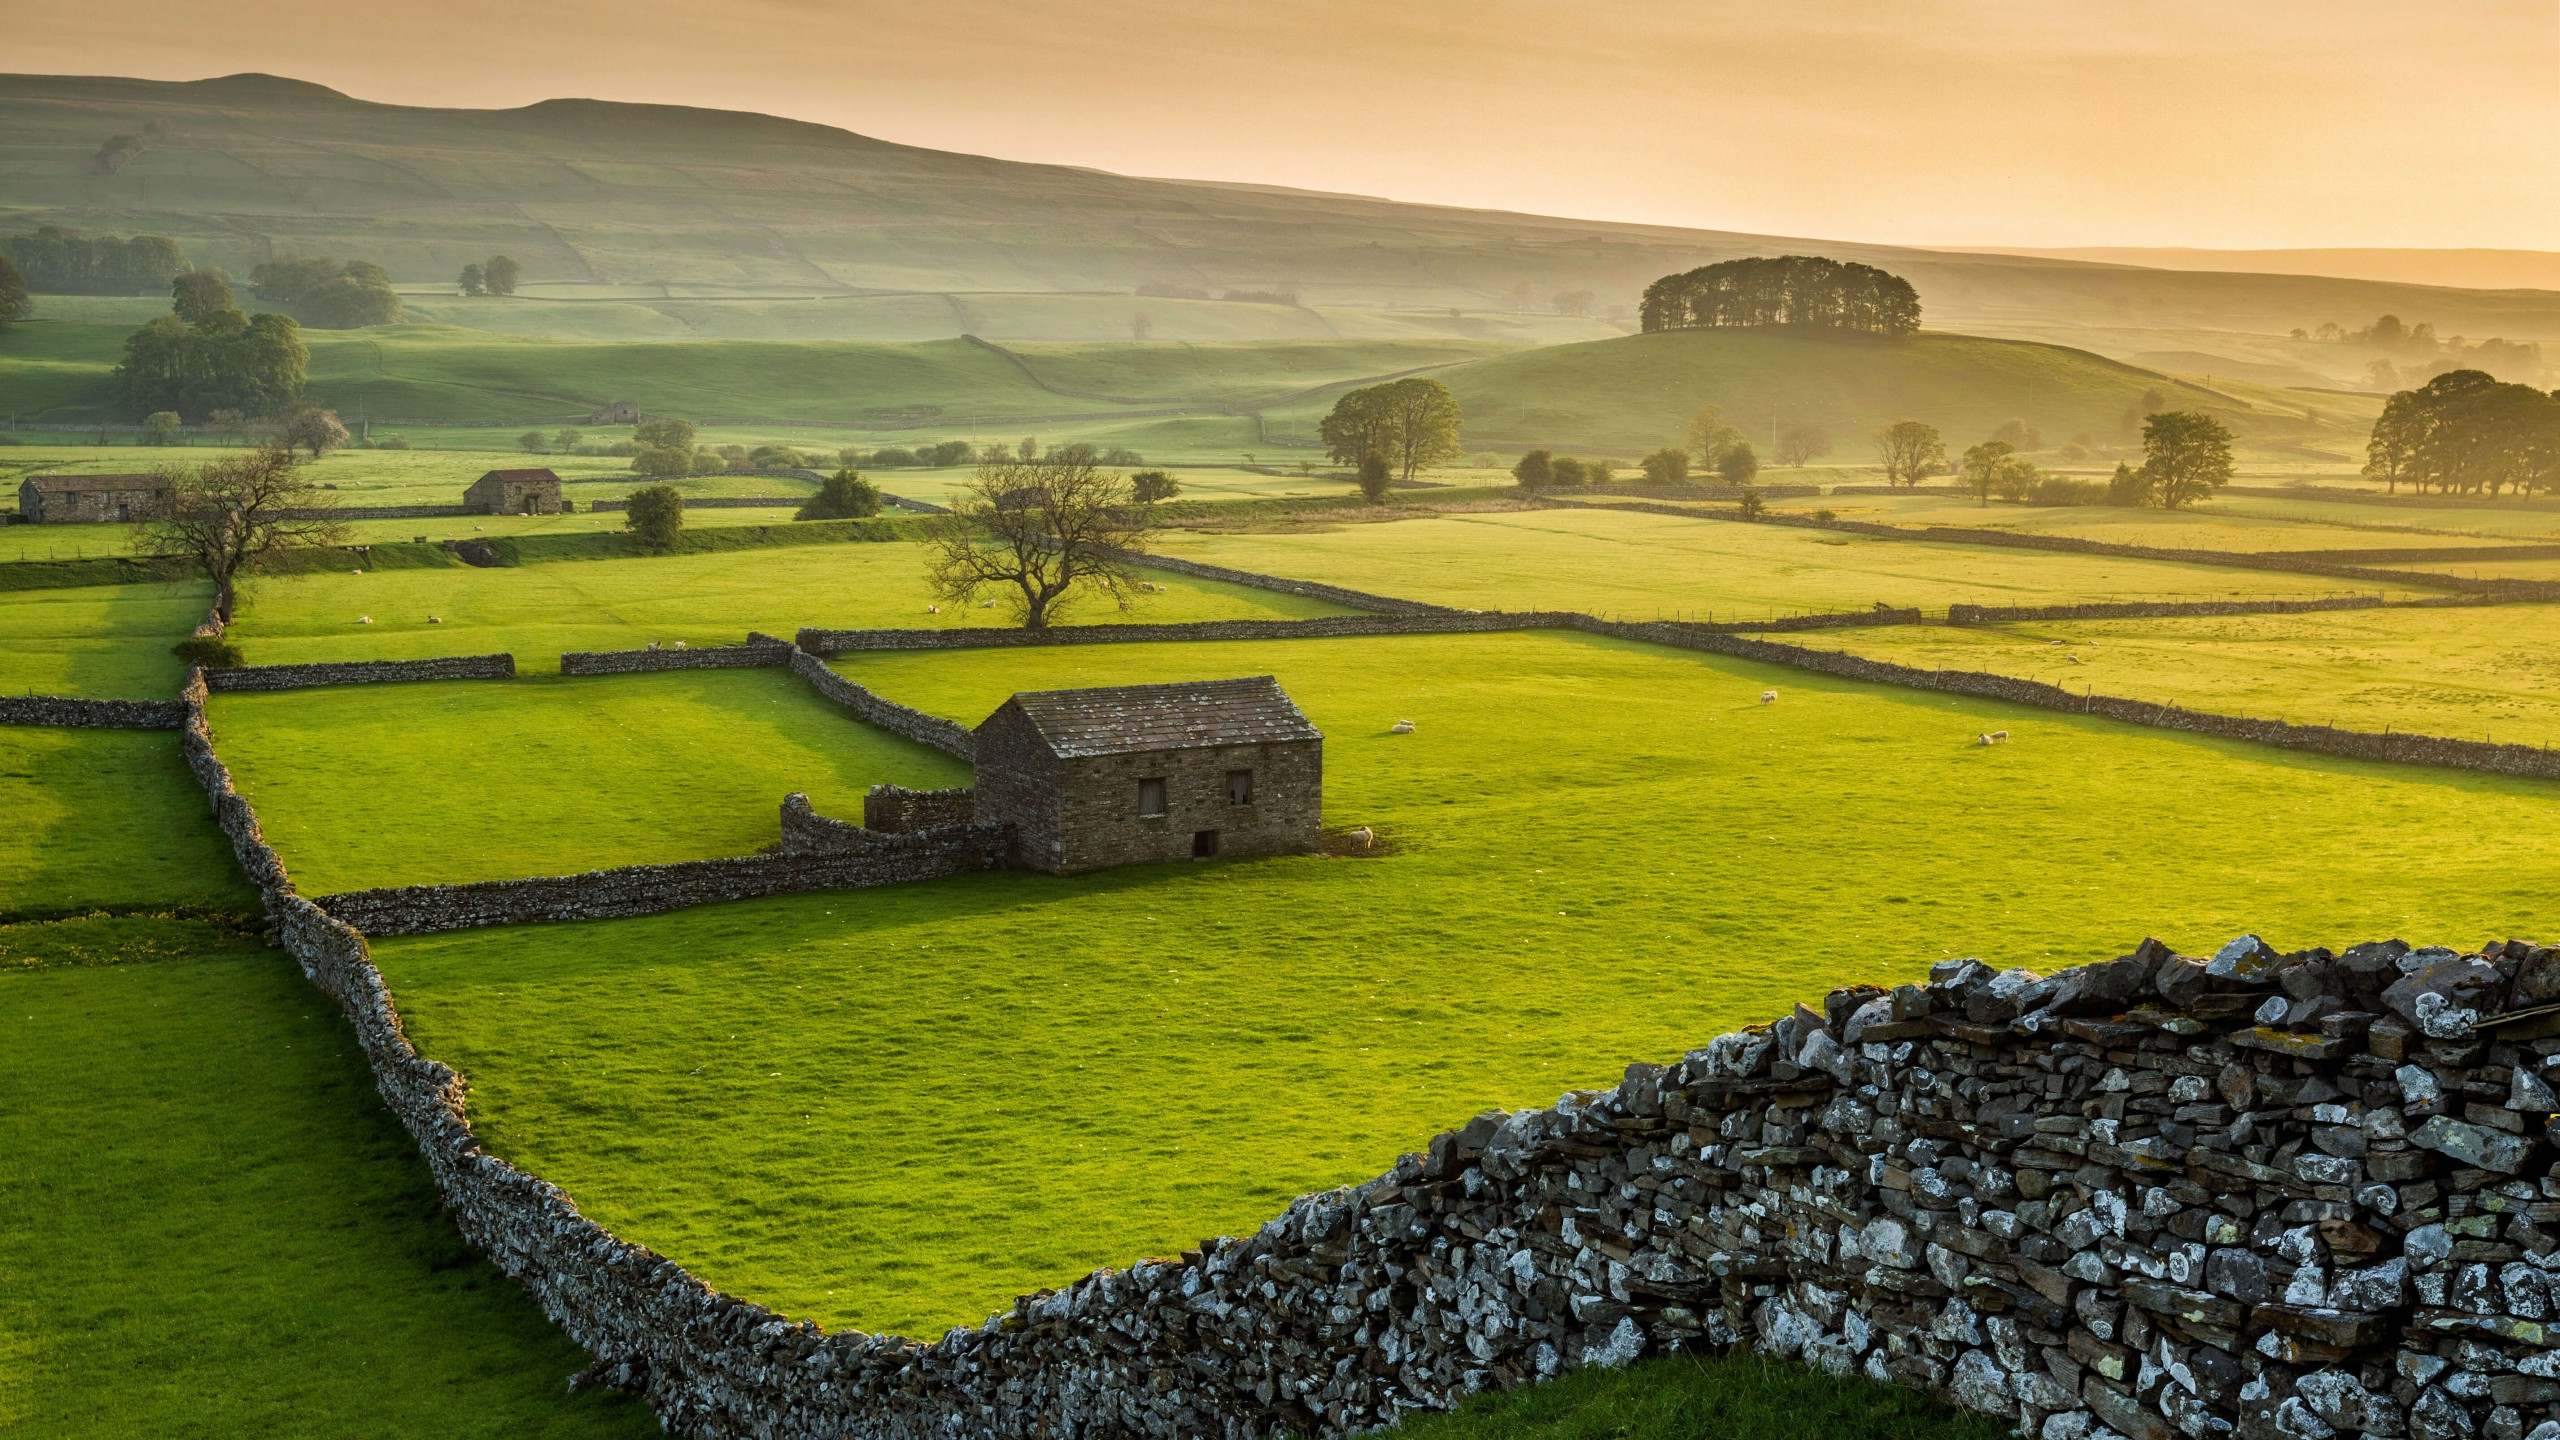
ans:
(108, 641)
(548, 776)
(1608, 852)
(1646, 566)
(537, 611)
(216, 1229)
(107, 820)
(2466, 673)
(2224, 523)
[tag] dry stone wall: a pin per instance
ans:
(1307, 589)
(755, 654)
(361, 672)
(895, 808)
(1463, 622)
(2162, 609)
(889, 715)
(72, 712)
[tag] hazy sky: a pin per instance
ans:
(2021, 122)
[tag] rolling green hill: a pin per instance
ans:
(647, 206)
(1632, 394)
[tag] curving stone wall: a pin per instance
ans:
(755, 654)
(72, 712)
(501, 666)
(1307, 589)
(889, 715)
(1461, 622)
(2160, 609)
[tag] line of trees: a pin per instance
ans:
(327, 294)
(1394, 430)
(56, 261)
(2467, 433)
(1805, 290)
(496, 275)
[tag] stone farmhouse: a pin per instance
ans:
(89, 499)
(514, 492)
(1132, 774)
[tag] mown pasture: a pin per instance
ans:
(898, 1108)
(2470, 673)
(98, 642)
(107, 820)
(366, 785)
(537, 611)
(1646, 566)
(2224, 523)
(216, 1229)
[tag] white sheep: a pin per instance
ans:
(1401, 727)
(1999, 735)
(364, 619)
(1768, 697)
(1992, 737)
(1364, 837)
(435, 619)
(679, 644)
(933, 609)
(2074, 659)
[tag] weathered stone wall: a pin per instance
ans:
(755, 654)
(714, 502)
(1462, 622)
(895, 808)
(1307, 589)
(72, 712)
(1681, 492)
(501, 666)
(650, 889)
(2160, 609)
(383, 512)
(889, 715)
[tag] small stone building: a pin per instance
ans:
(1133, 774)
(514, 492)
(89, 499)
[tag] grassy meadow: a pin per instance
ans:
(98, 642)
(1605, 851)
(2484, 673)
(107, 820)
(1647, 566)
(495, 779)
(537, 611)
(2223, 523)
(216, 1229)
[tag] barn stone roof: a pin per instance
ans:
(1135, 719)
(522, 477)
(73, 484)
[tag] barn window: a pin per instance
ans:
(1151, 797)
(1239, 787)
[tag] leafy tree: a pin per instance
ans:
(1414, 423)
(1802, 444)
(160, 427)
(1376, 476)
(566, 442)
(196, 295)
(287, 281)
(950, 453)
(534, 442)
(1739, 465)
(66, 262)
(665, 448)
(1911, 451)
(249, 365)
(1147, 487)
(1803, 290)
(2466, 432)
(1667, 466)
(2128, 487)
(1981, 468)
(237, 515)
(2015, 478)
(308, 427)
(14, 304)
(845, 495)
(1710, 437)
(1535, 469)
(654, 517)
(500, 275)
(1043, 531)
(472, 283)
(1567, 471)
(2186, 455)
(351, 302)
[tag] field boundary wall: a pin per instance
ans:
(752, 655)
(2012, 1191)
(501, 666)
(944, 735)
(711, 502)
(895, 809)
(1455, 622)
(1304, 589)
(72, 712)
(2163, 609)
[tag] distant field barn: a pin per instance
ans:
(89, 499)
(1135, 774)
(514, 492)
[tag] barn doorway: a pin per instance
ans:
(1204, 843)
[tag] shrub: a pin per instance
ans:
(661, 461)
(1565, 470)
(1739, 465)
(882, 459)
(1375, 477)
(951, 452)
(1667, 466)
(1122, 455)
(2128, 487)
(1753, 505)
(845, 495)
(1149, 486)
(777, 457)
(160, 427)
(1535, 469)
(210, 651)
(2063, 490)
(391, 442)
(656, 516)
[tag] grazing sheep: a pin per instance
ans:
(1364, 837)
(986, 604)
(933, 609)
(2074, 659)
(1984, 739)
(679, 644)
(1993, 737)
(1768, 697)
(364, 619)
(1401, 727)
(435, 619)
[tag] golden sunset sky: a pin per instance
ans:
(1951, 122)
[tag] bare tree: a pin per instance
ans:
(231, 517)
(1040, 531)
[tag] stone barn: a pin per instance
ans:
(89, 499)
(514, 492)
(1133, 774)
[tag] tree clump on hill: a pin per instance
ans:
(665, 448)
(14, 304)
(1041, 532)
(1413, 423)
(845, 495)
(1801, 290)
(327, 294)
(249, 365)
(1911, 451)
(1710, 438)
(237, 515)
(195, 296)
(2466, 433)
(56, 261)
(498, 275)
(654, 516)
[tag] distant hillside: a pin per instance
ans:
(639, 204)
(1633, 394)
(2470, 269)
